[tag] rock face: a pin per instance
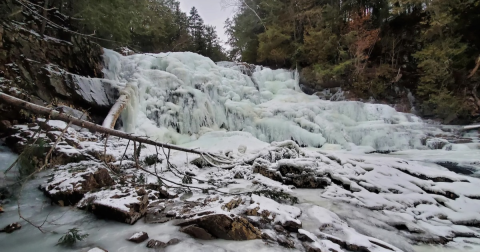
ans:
(48, 70)
(221, 226)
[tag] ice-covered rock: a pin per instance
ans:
(138, 237)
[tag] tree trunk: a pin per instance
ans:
(55, 115)
(117, 109)
(44, 22)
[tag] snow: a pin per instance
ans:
(136, 235)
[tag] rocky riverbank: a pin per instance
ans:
(253, 200)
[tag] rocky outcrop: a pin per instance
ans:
(221, 226)
(81, 184)
(128, 213)
(46, 70)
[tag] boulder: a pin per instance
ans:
(5, 125)
(141, 192)
(173, 241)
(85, 182)
(138, 237)
(224, 227)
(157, 212)
(11, 228)
(285, 242)
(197, 232)
(128, 213)
(310, 248)
(155, 244)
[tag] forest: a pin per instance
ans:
(143, 25)
(428, 46)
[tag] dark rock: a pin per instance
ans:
(197, 232)
(173, 241)
(11, 228)
(303, 237)
(191, 174)
(135, 210)
(155, 244)
(90, 182)
(262, 167)
(266, 236)
(278, 228)
(138, 237)
(5, 192)
(285, 242)
(171, 214)
(5, 125)
(141, 192)
(157, 212)
(224, 227)
(239, 175)
(309, 248)
(234, 203)
(200, 163)
(292, 226)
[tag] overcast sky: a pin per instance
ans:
(212, 13)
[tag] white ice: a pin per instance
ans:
(181, 96)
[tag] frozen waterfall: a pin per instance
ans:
(180, 96)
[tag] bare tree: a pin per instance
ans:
(239, 4)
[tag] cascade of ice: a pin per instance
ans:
(180, 96)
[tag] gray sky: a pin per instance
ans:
(211, 12)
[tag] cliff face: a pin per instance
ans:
(49, 71)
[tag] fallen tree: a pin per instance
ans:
(56, 115)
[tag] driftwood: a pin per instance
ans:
(55, 115)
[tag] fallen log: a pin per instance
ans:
(55, 115)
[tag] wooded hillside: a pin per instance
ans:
(428, 46)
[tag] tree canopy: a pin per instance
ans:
(144, 25)
(428, 46)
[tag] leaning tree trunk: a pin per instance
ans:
(469, 127)
(117, 108)
(55, 115)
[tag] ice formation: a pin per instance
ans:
(181, 96)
